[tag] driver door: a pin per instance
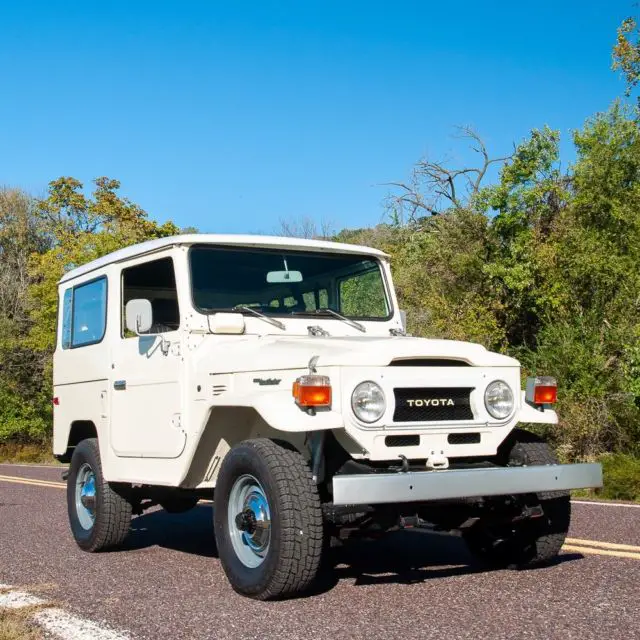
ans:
(147, 370)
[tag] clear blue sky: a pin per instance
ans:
(230, 115)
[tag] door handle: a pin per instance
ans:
(120, 385)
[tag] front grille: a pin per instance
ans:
(402, 441)
(463, 438)
(432, 404)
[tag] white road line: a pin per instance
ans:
(18, 599)
(606, 504)
(69, 627)
(5, 586)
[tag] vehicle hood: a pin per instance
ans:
(255, 353)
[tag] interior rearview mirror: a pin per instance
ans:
(284, 276)
(138, 315)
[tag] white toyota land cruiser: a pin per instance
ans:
(274, 374)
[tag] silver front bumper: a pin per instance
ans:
(462, 483)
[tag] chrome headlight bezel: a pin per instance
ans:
(361, 390)
(501, 390)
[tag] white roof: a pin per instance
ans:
(273, 242)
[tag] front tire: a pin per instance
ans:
(529, 543)
(267, 520)
(99, 516)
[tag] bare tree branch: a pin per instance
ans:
(434, 187)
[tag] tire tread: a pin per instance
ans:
(113, 517)
(301, 525)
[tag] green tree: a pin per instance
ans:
(626, 53)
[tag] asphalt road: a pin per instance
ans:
(168, 582)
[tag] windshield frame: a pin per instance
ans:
(389, 298)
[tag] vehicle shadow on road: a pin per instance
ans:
(189, 532)
(403, 557)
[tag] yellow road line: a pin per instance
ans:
(603, 545)
(31, 481)
(601, 552)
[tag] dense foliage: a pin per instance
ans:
(541, 264)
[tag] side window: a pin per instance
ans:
(67, 303)
(84, 314)
(155, 281)
(89, 313)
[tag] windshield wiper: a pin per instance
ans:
(262, 316)
(335, 314)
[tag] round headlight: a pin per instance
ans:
(367, 402)
(498, 398)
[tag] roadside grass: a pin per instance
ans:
(16, 624)
(33, 453)
(621, 479)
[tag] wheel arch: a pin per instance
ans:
(226, 426)
(79, 430)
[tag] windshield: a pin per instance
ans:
(277, 282)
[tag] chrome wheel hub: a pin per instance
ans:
(249, 521)
(86, 496)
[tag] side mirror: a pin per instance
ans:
(403, 319)
(222, 323)
(138, 315)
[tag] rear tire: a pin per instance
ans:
(267, 520)
(528, 543)
(99, 516)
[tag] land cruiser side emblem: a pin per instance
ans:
(431, 402)
(264, 382)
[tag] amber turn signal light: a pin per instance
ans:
(312, 391)
(542, 390)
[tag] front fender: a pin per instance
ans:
(534, 415)
(280, 412)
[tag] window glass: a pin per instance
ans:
(363, 295)
(66, 318)
(287, 282)
(154, 281)
(89, 313)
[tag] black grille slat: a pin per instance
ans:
(463, 438)
(433, 404)
(402, 441)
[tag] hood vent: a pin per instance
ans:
(428, 362)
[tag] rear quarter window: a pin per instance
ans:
(84, 314)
